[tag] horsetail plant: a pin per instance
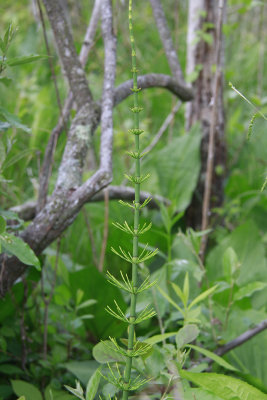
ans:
(125, 381)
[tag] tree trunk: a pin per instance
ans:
(201, 56)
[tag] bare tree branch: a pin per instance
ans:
(244, 337)
(50, 149)
(27, 211)
(69, 59)
(154, 80)
(166, 39)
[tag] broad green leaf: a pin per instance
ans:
(226, 387)
(202, 296)
(12, 62)
(179, 293)
(249, 289)
(246, 240)
(2, 224)
(159, 338)
(177, 166)
(86, 303)
(20, 249)
(105, 352)
(199, 394)
(186, 335)
(10, 369)
(83, 370)
(219, 360)
(13, 120)
(26, 389)
(93, 384)
(167, 297)
(21, 398)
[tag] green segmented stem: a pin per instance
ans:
(131, 333)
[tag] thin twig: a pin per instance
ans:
(244, 337)
(210, 157)
(105, 232)
(164, 126)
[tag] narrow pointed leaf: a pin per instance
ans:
(12, 62)
(167, 297)
(92, 385)
(219, 360)
(179, 293)
(202, 296)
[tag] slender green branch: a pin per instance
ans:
(125, 381)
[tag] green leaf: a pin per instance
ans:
(226, 387)
(2, 224)
(86, 303)
(13, 120)
(202, 296)
(2, 45)
(219, 360)
(26, 389)
(230, 263)
(77, 391)
(159, 338)
(179, 293)
(93, 384)
(12, 62)
(181, 157)
(186, 335)
(199, 394)
(83, 370)
(22, 398)
(20, 249)
(103, 352)
(249, 289)
(167, 297)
